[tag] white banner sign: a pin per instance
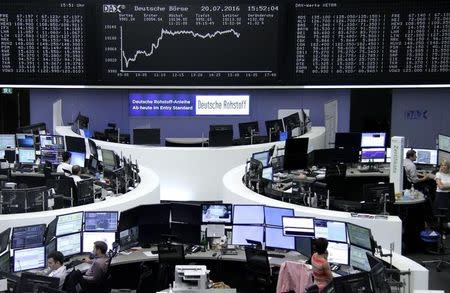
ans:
(222, 105)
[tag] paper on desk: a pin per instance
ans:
(148, 253)
(3, 285)
(126, 252)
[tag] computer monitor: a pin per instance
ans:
(248, 214)
(29, 282)
(85, 190)
(242, 233)
(295, 153)
(25, 140)
(69, 223)
(248, 128)
(78, 159)
(186, 233)
(109, 159)
(220, 135)
(217, 213)
(267, 173)
(273, 129)
(378, 275)
(331, 230)
(303, 245)
(373, 140)
(338, 253)
(150, 234)
(186, 213)
(101, 221)
(93, 148)
(274, 215)
(263, 157)
(359, 236)
(358, 258)
(291, 122)
(444, 143)
(298, 226)
(359, 282)
(4, 240)
(69, 244)
(29, 258)
(7, 141)
(51, 142)
(54, 157)
(50, 247)
(373, 155)
(129, 238)
(5, 264)
(154, 214)
(375, 192)
(50, 232)
(75, 144)
(90, 237)
(443, 156)
(425, 156)
(27, 236)
(147, 136)
(276, 239)
(347, 140)
(27, 156)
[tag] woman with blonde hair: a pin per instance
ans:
(442, 178)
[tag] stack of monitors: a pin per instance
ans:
(29, 251)
(373, 147)
(27, 153)
(336, 234)
(7, 142)
(248, 224)
(360, 246)
(99, 226)
(68, 233)
(51, 147)
(274, 237)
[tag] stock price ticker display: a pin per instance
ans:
(178, 43)
(42, 42)
(372, 42)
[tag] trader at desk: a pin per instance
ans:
(55, 261)
(76, 171)
(65, 166)
(422, 183)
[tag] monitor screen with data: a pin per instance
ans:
(242, 233)
(100, 221)
(25, 140)
(276, 239)
(298, 226)
(28, 259)
(331, 230)
(358, 258)
(7, 141)
(69, 244)
(28, 236)
(248, 214)
(373, 140)
(267, 173)
(90, 237)
(217, 213)
(373, 155)
(78, 159)
(274, 215)
(425, 156)
(444, 142)
(70, 223)
(27, 156)
(338, 253)
(263, 157)
(359, 236)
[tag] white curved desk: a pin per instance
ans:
(194, 173)
(147, 192)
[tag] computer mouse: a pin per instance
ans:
(214, 254)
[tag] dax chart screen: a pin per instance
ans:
(205, 43)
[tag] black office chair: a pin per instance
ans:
(441, 248)
(259, 277)
(169, 255)
(65, 191)
(406, 183)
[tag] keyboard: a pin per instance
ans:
(229, 252)
(276, 255)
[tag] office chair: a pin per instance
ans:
(259, 276)
(406, 183)
(441, 250)
(64, 191)
(169, 255)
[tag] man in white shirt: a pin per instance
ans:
(65, 166)
(55, 262)
(76, 170)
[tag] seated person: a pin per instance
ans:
(442, 199)
(65, 166)
(319, 261)
(411, 171)
(76, 170)
(55, 261)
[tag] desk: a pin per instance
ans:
(186, 141)
(194, 173)
(147, 192)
